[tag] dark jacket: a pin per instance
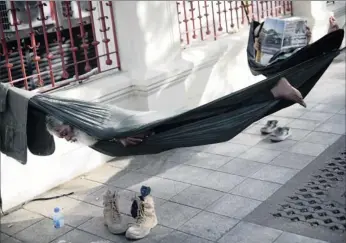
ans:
(17, 131)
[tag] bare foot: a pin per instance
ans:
(284, 90)
(333, 25)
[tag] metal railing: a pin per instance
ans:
(48, 44)
(203, 20)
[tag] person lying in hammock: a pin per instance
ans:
(284, 54)
(282, 90)
(72, 134)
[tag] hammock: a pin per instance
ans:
(215, 122)
(326, 44)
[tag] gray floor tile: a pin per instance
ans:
(254, 129)
(342, 111)
(227, 149)
(321, 138)
(279, 146)
(43, 232)
(328, 108)
(208, 161)
(79, 186)
(208, 225)
(316, 116)
(18, 220)
(162, 188)
(105, 174)
(304, 124)
(311, 149)
(234, 206)
(298, 134)
(186, 173)
(331, 128)
(174, 215)
(256, 189)
(220, 181)
(75, 212)
(175, 237)
(79, 236)
(337, 119)
(181, 155)
(3, 236)
(293, 160)
(96, 197)
(290, 112)
(274, 174)
(156, 168)
(11, 240)
(247, 139)
(283, 121)
(96, 226)
(293, 238)
(250, 233)
(159, 235)
(131, 180)
(241, 167)
(197, 197)
(260, 155)
(194, 239)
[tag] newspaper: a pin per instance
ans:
(281, 34)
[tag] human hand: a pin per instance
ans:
(308, 34)
(257, 44)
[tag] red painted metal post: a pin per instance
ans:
(236, 13)
(34, 46)
(192, 9)
(49, 56)
(218, 3)
(58, 29)
(115, 39)
(104, 30)
(206, 17)
(231, 11)
(225, 13)
(73, 47)
(5, 52)
(95, 43)
(213, 15)
(200, 20)
(85, 44)
(185, 20)
(17, 22)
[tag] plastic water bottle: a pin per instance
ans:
(58, 218)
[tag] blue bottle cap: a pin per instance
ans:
(56, 210)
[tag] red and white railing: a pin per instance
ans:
(53, 43)
(202, 20)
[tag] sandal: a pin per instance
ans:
(269, 127)
(280, 134)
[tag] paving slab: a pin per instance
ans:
(312, 203)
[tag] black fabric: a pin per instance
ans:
(215, 122)
(326, 44)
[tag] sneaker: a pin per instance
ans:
(280, 134)
(269, 127)
(143, 210)
(111, 213)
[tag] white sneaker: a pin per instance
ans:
(269, 127)
(280, 134)
(143, 210)
(112, 214)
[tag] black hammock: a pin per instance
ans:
(215, 122)
(326, 44)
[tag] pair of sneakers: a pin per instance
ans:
(277, 134)
(142, 210)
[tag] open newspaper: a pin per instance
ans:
(281, 34)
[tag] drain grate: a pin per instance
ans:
(321, 201)
(313, 202)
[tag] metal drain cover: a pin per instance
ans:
(312, 203)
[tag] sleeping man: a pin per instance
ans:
(72, 134)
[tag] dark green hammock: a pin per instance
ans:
(215, 122)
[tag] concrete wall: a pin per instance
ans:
(194, 76)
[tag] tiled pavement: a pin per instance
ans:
(201, 193)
